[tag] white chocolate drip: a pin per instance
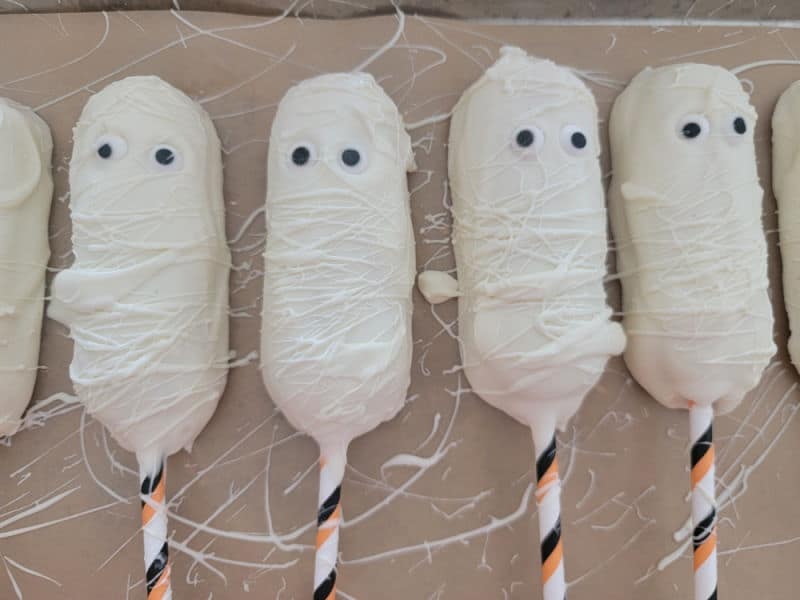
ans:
(530, 241)
(339, 260)
(686, 212)
(26, 190)
(146, 300)
(437, 287)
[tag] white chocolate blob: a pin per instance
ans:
(530, 241)
(26, 190)
(437, 287)
(786, 184)
(685, 206)
(339, 261)
(146, 299)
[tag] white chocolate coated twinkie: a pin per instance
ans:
(786, 185)
(339, 261)
(530, 241)
(26, 190)
(685, 205)
(146, 299)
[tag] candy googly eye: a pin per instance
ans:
(302, 155)
(167, 158)
(528, 139)
(353, 159)
(735, 129)
(574, 140)
(693, 127)
(111, 147)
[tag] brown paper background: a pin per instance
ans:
(459, 526)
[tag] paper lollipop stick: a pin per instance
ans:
(329, 516)
(154, 525)
(704, 510)
(548, 500)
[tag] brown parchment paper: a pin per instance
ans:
(438, 501)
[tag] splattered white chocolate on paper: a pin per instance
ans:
(439, 500)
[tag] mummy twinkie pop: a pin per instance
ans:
(26, 189)
(339, 270)
(530, 242)
(146, 299)
(786, 184)
(685, 206)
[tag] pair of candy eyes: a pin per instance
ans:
(572, 138)
(114, 148)
(693, 126)
(351, 159)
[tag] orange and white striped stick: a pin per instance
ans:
(154, 525)
(548, 500)
(329, 517)
(704, 504)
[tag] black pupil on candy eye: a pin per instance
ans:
(164, 156)
(691, 130)
(578, 140)
(104, 151)
(351, 157)
(300, 155)
(739, 126)
(525, 138)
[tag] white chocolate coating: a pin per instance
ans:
(530, 241)
(686, 216)
(146, 299)
(786, 184)
(339, 261)
(26, 190)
